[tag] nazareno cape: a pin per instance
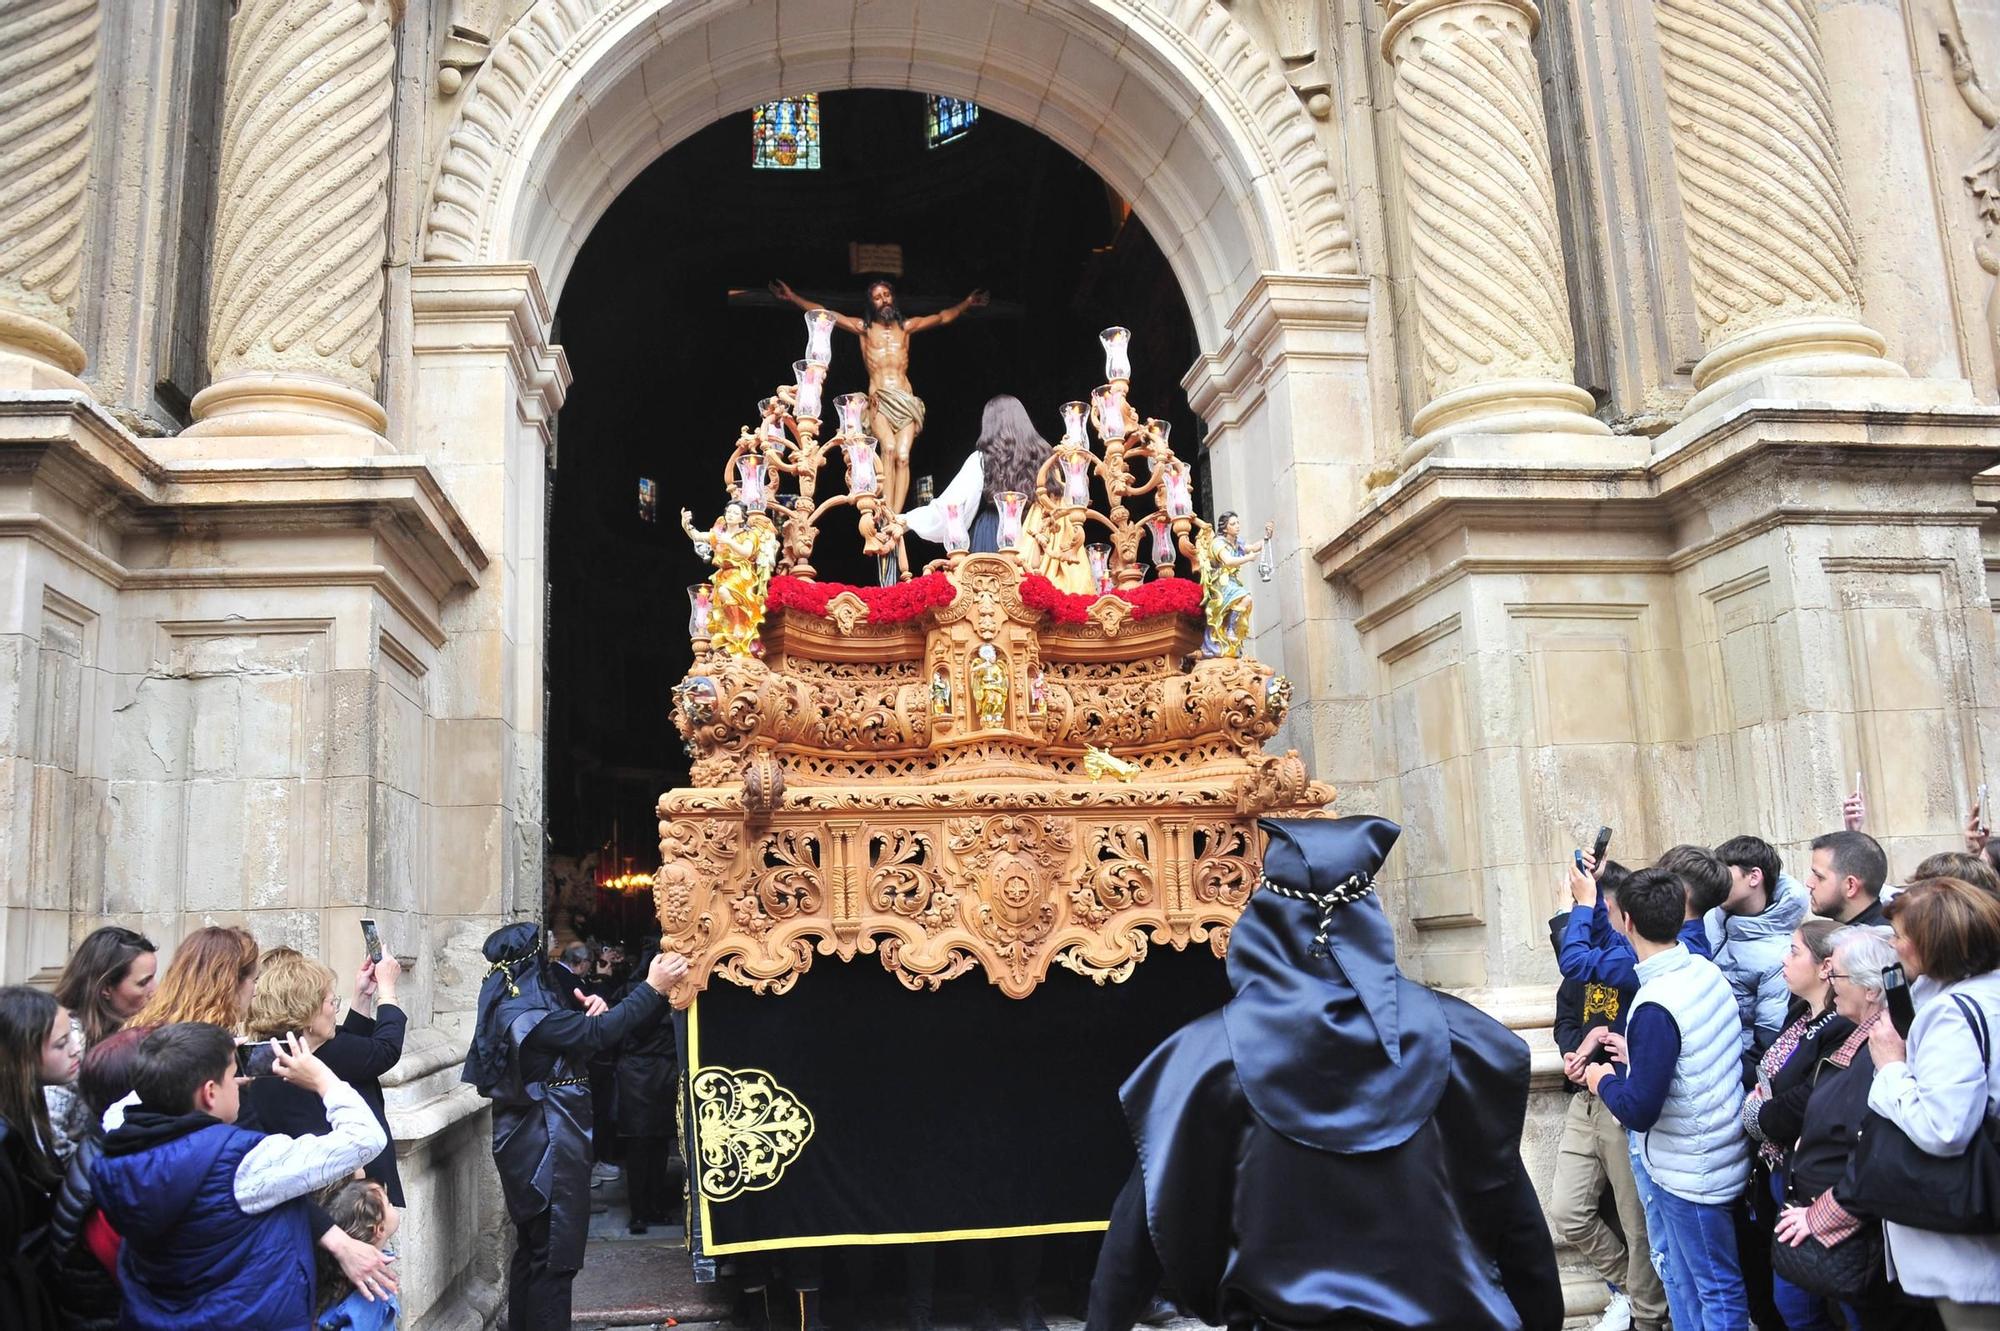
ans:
(1337, 1147)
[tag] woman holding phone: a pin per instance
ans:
(297, 994)
(1940, 1084)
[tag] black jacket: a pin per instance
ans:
(86, 1294)
(648, 1072)
(24, 1302)
(359, 1053)
(1783, 1114)
(1834, 1110)
(1583, 1007)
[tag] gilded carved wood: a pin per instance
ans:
(901, 791)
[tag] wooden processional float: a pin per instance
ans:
(972, 770)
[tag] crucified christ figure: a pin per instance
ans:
(895, 413)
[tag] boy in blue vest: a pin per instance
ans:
(214, 1216)
(1679, 1088)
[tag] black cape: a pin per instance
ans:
(1337, 1147)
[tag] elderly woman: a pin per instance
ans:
(297, 994)
(1840, 1081)
(1940, 1088)
(1775, 1109)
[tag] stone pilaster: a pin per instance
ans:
(296, 280)
(48, 94)
(1768, 231)
(1486, 247)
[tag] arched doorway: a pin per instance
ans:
(1178, 110)
(674, 338)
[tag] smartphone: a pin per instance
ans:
(255, 1059)
(1984, 813)
(373, 938)
(1603, 845)
(1896, 991)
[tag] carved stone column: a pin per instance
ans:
(1486, 247)
(1768, 232)
(48, 92)
(295, 275)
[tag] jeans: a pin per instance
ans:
(1801, 1311)
(1701, 1252)
(1680, 1305)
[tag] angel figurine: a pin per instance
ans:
(744, 553)
(989, 686)
(1219, 553)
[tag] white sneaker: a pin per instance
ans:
(604, 1171)
(1617, 1315)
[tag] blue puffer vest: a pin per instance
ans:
(192, 1258)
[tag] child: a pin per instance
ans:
(362, 1209)
(216, 1227)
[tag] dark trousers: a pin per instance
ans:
(650, 1194)
(1128, 1270)
(537, 1298)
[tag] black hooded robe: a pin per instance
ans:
(531, 1056)
(1337, 1147)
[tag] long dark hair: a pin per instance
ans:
(26, 1018)
(1012, 450)
(100, 962)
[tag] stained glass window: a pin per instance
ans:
(948, 118)
(784, 135)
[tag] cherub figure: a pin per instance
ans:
(989, 686)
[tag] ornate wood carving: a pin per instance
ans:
(842, 808)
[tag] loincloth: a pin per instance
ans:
(900, 407)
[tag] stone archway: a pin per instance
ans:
(1175, 107)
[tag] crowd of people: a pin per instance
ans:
(1770, 1076)
(198, 1146)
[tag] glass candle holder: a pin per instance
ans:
(753, 482)
(860, 454)
(810, 377)
(1117, 353)
(1076, 424)
(1109, 403)
(1100, 566)
(956, 536)
(699, 598)
(1012, 505)
(853, 409)
(1266, 569)
(1178, 487)
(819, 336)
(1075, 468)
(1162, 533)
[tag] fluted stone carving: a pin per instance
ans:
(1768, 232)
(1486, 247)
(48, 92)
(296, 280)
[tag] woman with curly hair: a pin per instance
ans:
(211, 978)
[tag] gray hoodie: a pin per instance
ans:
(1750, 949)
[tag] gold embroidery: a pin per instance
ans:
(1600, 1000)
(749, 1130)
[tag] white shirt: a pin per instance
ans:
(966, 490)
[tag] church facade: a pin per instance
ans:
(1625, 374)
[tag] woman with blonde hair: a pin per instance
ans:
(210, 979)
(297, 994)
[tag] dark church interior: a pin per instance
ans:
(673, 338)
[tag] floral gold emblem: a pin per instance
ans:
(748, 1129)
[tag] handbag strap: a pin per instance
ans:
(1975, 1017)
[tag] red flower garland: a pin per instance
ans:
(886, 605)
(1166, 596)
(907, 600)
